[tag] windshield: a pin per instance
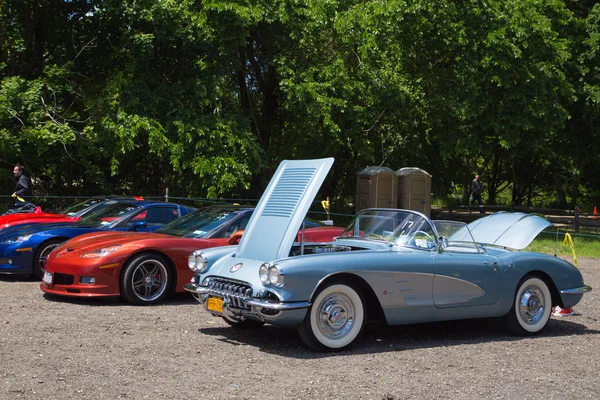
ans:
(399, 227)
(200, 223)
(458, 235)
(73, 210)
(107, 215)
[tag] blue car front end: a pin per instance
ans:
(18, 246)
(16, 258)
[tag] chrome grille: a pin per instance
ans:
(233, 291)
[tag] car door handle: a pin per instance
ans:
(494, 264)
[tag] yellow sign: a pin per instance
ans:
(569, 242)
(325, 204)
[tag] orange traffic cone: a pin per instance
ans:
(595, 212)
(563, 312)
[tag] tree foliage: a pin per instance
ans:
(205, 98)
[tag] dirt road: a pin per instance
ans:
(79, 349)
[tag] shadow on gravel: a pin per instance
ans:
(382, 338)
(176, 299)
(18, 278)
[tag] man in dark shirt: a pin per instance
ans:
(22, 192)
(23, 187)
(476, 189)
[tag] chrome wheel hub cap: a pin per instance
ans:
(149, 280)
(336, 316)
(531, 305)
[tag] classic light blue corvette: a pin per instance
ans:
(393, 264)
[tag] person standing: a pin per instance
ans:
(23, 188)
(476, 189)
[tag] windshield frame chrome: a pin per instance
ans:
(374, 211)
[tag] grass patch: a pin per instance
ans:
(585, 245)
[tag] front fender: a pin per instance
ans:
(564, 275)
(214, 255)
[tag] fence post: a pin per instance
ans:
(576, 222)
(166, 195)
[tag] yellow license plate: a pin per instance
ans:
(215, 304)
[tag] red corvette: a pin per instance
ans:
(144, 267)
(68, 215)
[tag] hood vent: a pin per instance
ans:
(278, 215)
(288, 192)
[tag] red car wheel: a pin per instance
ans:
(145, 279)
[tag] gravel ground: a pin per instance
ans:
(55, 348)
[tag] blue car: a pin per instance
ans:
(24, 248)
(390, 264)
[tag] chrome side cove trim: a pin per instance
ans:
(277, 306)
(579, 290)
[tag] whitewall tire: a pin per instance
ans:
(531, 307)
(335, 318)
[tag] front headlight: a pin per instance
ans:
(198, 262)
(18, 239)
(103, 252)
(263, 273)
(276, 275)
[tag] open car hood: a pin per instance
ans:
(274, 224)
(512, 230)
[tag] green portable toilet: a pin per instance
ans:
(376, 187)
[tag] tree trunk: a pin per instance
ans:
(494, 178)
(466, 189)
(560, 193)
(575, 190)
(241, 77)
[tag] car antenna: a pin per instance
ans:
(302, 238)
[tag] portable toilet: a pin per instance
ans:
(414, 190)
(376, 187)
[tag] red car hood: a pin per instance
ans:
(96, 240)
(7, 221)
(18, 216)
(320, 233)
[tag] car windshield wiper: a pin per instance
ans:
(376, 237)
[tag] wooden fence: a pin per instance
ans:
(569, 219)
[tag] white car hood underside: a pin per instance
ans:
(511, 230)
(276, 220)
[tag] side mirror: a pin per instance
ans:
(138, 225)
(443, 242)
(235, 237)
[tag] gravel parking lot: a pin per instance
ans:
(57, 348)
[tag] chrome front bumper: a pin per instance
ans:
(579, 290)
(252, 302)
(280, 314)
